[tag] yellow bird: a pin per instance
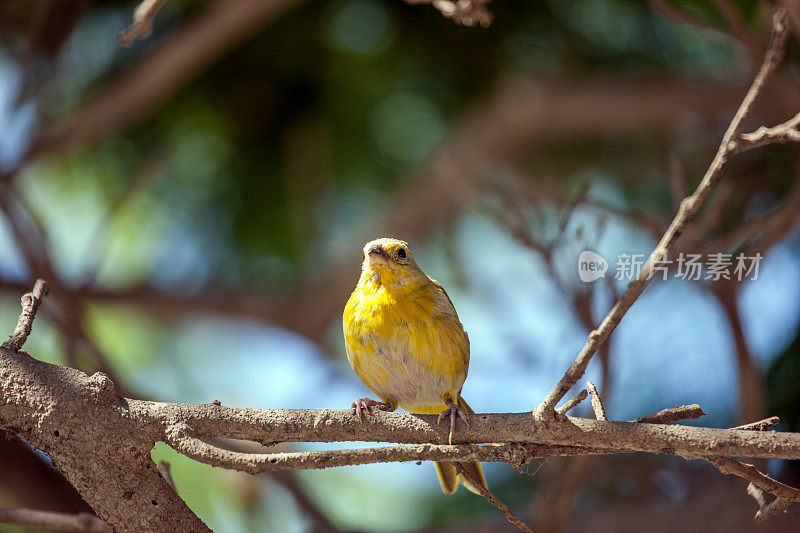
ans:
(405, 342)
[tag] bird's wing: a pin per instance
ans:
(441, 289)
(447, 311)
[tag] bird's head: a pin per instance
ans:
(390, 262)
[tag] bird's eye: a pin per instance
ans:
(401, 253)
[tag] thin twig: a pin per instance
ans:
(687, 211)
(782, 133)
(573, 402)
(673, 414)
(788, 494)
(494, 500)
(73, 523)
(759, 482)
(142, 26)
(762, 425)
(597, 403)
(30, 304)
(779, 504)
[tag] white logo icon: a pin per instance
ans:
(591, 266)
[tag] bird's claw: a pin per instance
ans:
(368, 403)
(454, 413)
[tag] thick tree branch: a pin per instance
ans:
(102, 441)
(782, 133)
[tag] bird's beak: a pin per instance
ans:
(376, 255)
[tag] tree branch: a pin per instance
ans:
(597, 403)
(762, 425)
(30, 304)
(494, 500)
(70, 523)
(102, 441)
(668, 416)
(782, 133)
(686, 212)
(726, 465)
(573, 402)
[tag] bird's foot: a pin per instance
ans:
(368, 403)
(454, 413)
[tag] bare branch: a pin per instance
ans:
(180, 437)
(597, 403)
(788, 494)
(77, 523)
(142, 26)
(762, 425)
(687, 211)
(330, 425)
(780, 134)
(83, 437)
(494, 500)
(30, 304)
(759, 482)
(573, 402)
(673, 414)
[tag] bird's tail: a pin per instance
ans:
(448, 476)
